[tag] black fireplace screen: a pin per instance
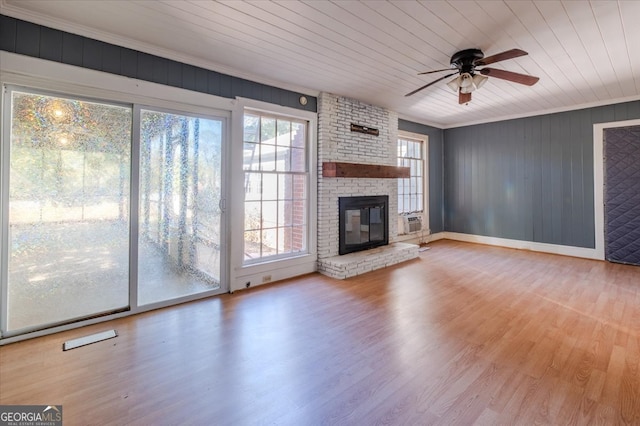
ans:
(363, 223)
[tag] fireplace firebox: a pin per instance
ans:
(364, 223)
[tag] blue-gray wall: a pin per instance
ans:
(34, 40)
(528, 179)
(436, 200)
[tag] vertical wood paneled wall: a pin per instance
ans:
(527, 179)
(34, 40)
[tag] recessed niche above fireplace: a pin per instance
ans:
(364, 223)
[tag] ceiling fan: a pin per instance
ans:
(469, 78)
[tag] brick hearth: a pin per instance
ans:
(352, 264)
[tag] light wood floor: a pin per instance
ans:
(464, 334)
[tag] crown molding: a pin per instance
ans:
(545, 112)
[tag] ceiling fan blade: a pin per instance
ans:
(508, 54)
(515, 77)
(463, 98)
(431, 72)
(429, 84)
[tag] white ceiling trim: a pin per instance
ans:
(547, 111)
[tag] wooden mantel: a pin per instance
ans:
(356, 170)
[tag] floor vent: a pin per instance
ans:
(87, 340)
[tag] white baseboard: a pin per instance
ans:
(434, 237)
(586, 253)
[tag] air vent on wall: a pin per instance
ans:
(412, 223)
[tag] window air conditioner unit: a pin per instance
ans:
(412, 223)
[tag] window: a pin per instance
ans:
(180, 191)
(276, 179)
(67, 203)
(78, 176)
(411, 153)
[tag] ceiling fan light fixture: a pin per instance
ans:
(454, 84)
(467, 84)
(479, 80)
(466, 80)
(471, 79)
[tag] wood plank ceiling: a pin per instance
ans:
(585, 53)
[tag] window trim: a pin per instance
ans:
(70, 81)
(425, 179)
(306, 173)
(277, 268)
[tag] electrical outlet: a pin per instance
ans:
(266, 278)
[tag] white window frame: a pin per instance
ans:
(75, 81)
(244, 275)
(305, 174)
(54, 77)
(424, 213)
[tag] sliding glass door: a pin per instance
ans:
(65, 210)
(88, 229)
(180, 193)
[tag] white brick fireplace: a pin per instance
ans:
(337, 143)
